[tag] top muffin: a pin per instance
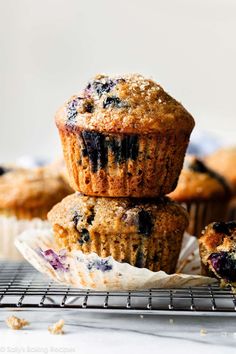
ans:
(123, 137)
(128, 103)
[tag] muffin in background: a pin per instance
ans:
(217, 248)
(142, 232)
(26, 196)
(123, 136)
(224, 162)
(203, 192)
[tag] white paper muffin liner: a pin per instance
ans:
(104, 274)
(10, 228)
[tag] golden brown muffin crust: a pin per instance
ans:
(116, 215)
(224, 162)
(128, 103)
(31, 188)
(219, 236)
(197, 182)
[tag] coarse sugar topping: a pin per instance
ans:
(127, 103)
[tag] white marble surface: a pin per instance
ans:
(90, 333)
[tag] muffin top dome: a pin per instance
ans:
(128, 103)
(198, 182)
(224, 162)
(31, 188)
(117, 215)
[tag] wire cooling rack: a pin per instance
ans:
(21, 286)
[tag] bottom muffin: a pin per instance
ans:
(217, 247)
(142, 232)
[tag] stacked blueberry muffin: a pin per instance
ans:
(124, 140)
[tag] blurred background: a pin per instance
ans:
(50, 48)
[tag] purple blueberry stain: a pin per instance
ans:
(95, 148)
(224, 265)
(99, 87)
(100, 264)
(125, 148)
(57, 261)
(72, 108)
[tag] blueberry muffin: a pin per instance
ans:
(30, 193)
(26, 196)
(217, 248)
(123, 136)
(203, 192)
(141, 232)
(224, 162)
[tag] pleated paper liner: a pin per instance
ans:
(231, 215)
(10, 228)
(103, 274)
(203, 213)
(122, 165)
(155, 252)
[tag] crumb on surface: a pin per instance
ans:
(57, 328)
(171, 320)
(203, 331)
(16, 323)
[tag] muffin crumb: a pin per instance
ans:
(203, 332)
(57, 328)
(16, 323)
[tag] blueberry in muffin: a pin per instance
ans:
(123, 136)
(142, 232)
(218, 251)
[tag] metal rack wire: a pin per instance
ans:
(23, 287)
